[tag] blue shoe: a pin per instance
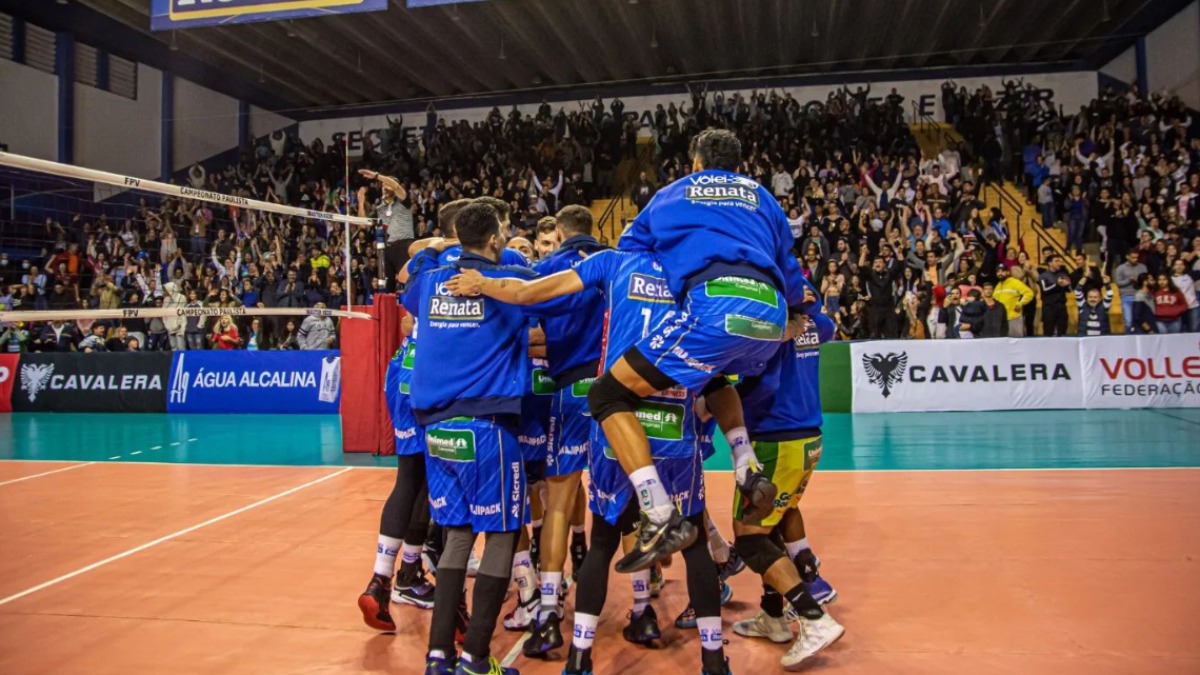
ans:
(436, 665)
(821, 591)
(489, 667)
(731, 567)
(726, 593)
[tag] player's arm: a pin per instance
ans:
(537, 343)
(516, 291)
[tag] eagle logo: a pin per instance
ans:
(885, 371)
(35, 377)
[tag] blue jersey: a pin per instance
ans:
(473, 360)
(397, 390)
(638, 300)
(575, 329)
(507, 257)
(785, 402)
(712, 224)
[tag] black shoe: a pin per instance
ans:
(758, 495)
(579, 662)
(643, 629)
(655, 542)
(374, 604)
(546, 636)
(431, 552)
(578, 553)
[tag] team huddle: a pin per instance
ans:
(622, 362)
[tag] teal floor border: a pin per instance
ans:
(1044, 439)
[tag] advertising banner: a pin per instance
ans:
(176, 14)
(104, 382)
(301, 382)
(1143, 371)
(8, 375)
(993, 374)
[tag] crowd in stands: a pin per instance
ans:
(898, 244)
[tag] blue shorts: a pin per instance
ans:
(729, 325)
(535, 442)
(410, 437)
(610, 492)
(410, 440)
(476, 476)
(570, 430)
(705, 431)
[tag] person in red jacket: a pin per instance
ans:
(1169, 305)
(225, 334)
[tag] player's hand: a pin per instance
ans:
(796, 325)
(467, 282)
(700, 408)
(368, 174)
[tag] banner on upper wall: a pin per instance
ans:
(997, 374)
(8, 375)
(75, 382)
(176, 14)
(1144, 371)
(302, 382)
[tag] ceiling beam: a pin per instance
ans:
(585, 66)
(1050, 29)
(930, 41)
(438, 38)
(993, 28)
(397, 56)
(526, 36)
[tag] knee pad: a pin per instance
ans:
(608, 397)
(758, 552)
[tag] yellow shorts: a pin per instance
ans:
(789, 465)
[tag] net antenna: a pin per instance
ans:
(184, 192)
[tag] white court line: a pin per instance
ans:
(173, 535)
(114, 457)
(513, 653)
(47, 473)
(156, 447)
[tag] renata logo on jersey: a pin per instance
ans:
(455, 309)
(722, 179)
(722, 193)
(646, 288)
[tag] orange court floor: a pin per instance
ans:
(972, 544)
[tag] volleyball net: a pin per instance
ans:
(92, 230)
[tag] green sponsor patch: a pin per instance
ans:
(663, 421)
(737, 287)
(581, 388)
(543, 384)
(404, 388)
(409, 357)
(755, 329)
(452, 445)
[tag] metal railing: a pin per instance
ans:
(1043, 236)
(608, 219)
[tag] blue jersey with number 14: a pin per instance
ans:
(638, 300)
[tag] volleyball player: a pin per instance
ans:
(405, 516)
(637, 299)
(573, 336)
(725, 247)
(468, 380)
(783, 415)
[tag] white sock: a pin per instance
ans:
(585, 630)
(577, 529)
(385, 555)
(743, 452)
(551, 585)
(652, 494)
(795, 547)
(641, 591)
(710, 632)
(410, 553)
(717, 546)
(523, 574)
(535, 523)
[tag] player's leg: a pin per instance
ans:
(705, 598)
(591, 595)
(537, 508)
(795, 541)
(759, 493)
(614, 400)
(412, 588)
(524, 576)
(556, 528)
(393, 527)
(788, 464)
(497, 497)
(448, 597)
(578, 549)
